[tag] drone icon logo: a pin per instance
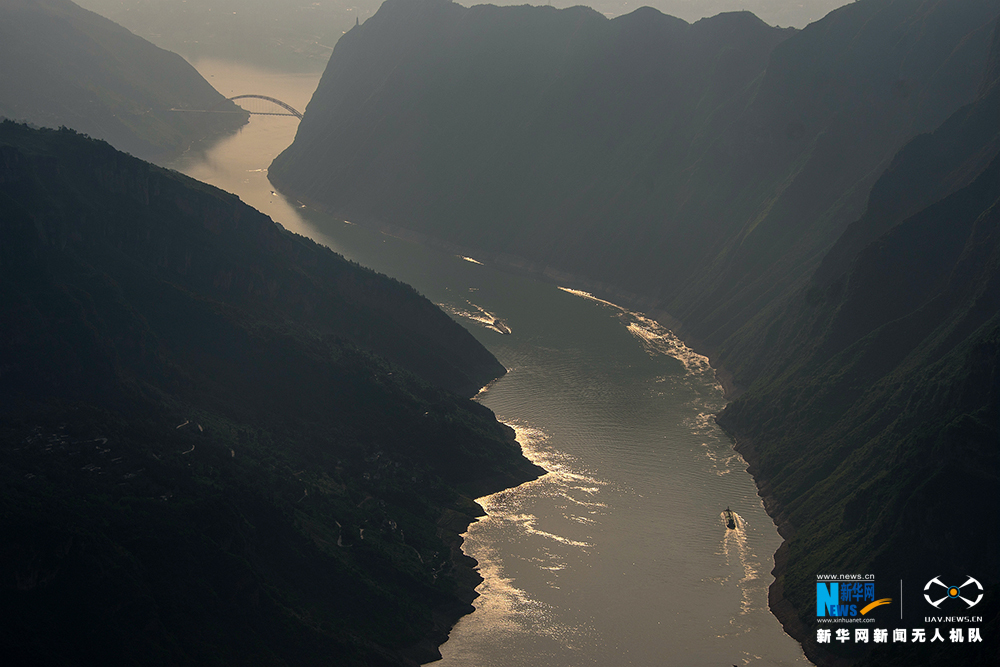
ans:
(953, 592)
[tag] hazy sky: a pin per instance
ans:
(796, 13)
(776, 12)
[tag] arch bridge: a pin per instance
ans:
(287, 107)
(254, 110)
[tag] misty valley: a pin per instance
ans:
(415, 332)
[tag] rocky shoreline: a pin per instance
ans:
(452, 527)
(777, 603)
(780, 607)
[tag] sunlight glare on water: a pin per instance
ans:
(619, 555)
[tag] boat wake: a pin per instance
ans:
(477, 314)
(655, 338)
(737, 552)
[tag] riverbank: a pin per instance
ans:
(779, 608)
(300, 519)
(598, 399)
(778, 604)
(541, 271)
(452, 526)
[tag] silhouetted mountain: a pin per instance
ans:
(203, 461)
(705, 167)
(521, 130)
(837, 102)
(300, 33)
(66, 66)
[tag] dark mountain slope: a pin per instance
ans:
(199, 465)
(210, 243)
(66, 66)
(837, 102)
(871, 419)
(524, 130)
(925, 170)
(929, 168)
(705, 167)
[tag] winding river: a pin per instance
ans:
(620, 554)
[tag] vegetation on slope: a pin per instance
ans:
(201, 461)
(871, 420)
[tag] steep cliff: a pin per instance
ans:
(66, 66)
(526, 130)
(837, 102)
(871, 415)
(705, 166)
(204, 460)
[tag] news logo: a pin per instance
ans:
(842, 598)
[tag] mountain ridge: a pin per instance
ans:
(201, 460)
(890, 367)
(71, 67)
(720, 177)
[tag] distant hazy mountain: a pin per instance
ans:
(204, 460)
(66, 66)
(287, 34)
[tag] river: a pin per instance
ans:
(619, 555)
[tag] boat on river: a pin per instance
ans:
(501, 327)
(730, 518)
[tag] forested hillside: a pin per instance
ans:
(206, 458)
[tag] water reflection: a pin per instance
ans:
(509, 619)
(617, 556)
(618, 544)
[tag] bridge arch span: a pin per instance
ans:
(289, 108)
